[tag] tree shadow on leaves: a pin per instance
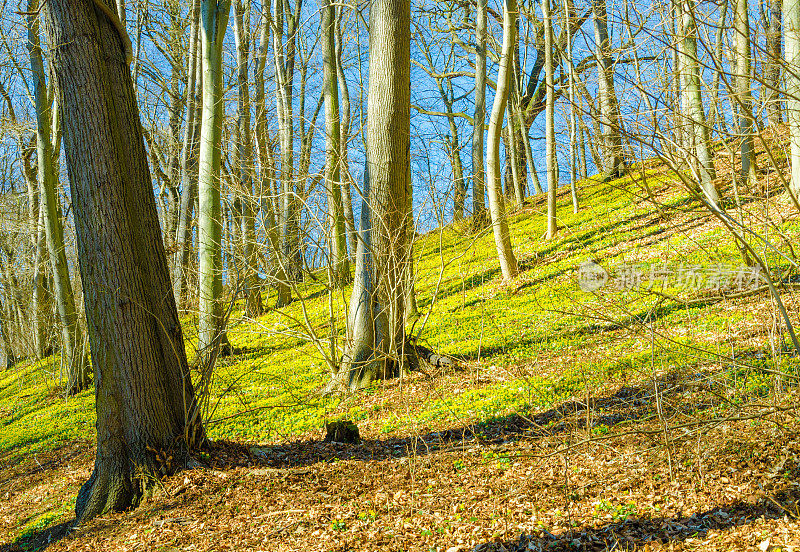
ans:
(637, 532)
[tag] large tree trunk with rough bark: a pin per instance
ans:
(144, 396)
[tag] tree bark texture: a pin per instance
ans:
(144, 395)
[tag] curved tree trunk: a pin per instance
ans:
(497, 209)
(144, 397)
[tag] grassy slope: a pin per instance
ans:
(525, 346)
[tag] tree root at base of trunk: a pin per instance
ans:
(362, 371)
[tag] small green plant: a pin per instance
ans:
(339, 525)
(619, 512)
(600, 429)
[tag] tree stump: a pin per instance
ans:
(343, 431)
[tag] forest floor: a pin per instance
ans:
(654, 418)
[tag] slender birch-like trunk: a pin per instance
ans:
(344, 140)
(573, 126)
(189, 153)
(267, 192)
(243, 164)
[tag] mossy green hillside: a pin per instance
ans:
(541, 338)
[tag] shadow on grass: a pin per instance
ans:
(628, 404)
(38, 540)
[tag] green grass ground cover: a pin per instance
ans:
(537, 340)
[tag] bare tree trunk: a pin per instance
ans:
(453, 150)
(693, 100)
(377, 347)
(573, 127)
(772, 63)
(741, 27)
(144, 395)
(339, 263)
(74, 354)
(189, 153)
(613, 160)
(214, 19)
(497, 210)
(524, 138)
(267, 165)
(243, 163)
(479, 119)
(344, 140)
(40, 307)
(716, 117)
(284, 75)
(550, 135)
(791, 37)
